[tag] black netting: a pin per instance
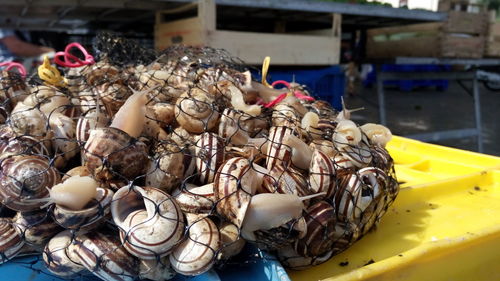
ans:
(145, 165)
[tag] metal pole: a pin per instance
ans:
(477, 112)
(381, 96)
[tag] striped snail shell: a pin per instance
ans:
(89, 121)
(91, 216)
(322, 174)
(26, 177)
(285, 115)
(59, 257)
(285, 180)
(13, 86)
(209, 151)
(232, 243)
(10, 144)
(100, 73)
(64, 142)
(166, 171)
(156, 270)
(11, 241)
(358, 194)
(48, 100)
(235, 183)
(381, 158)
(195, 111)
(360, 155)
(277, 152)
(320, 237)
(110, 152)
(103, 254)
(289, 258)
(197, 254)
(35, 227)
(150, 221)
(195, 199)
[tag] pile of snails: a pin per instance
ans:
(146, 171)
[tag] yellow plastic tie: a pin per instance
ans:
(50, 74)
(265, 68)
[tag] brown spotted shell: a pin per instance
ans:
(167, 169)
(26, 177)
(197, 254)
(10, 144)
(112, 153)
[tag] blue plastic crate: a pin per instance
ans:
(409, 85)
(252, 264)
(324, 83)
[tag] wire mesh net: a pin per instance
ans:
(144, 166)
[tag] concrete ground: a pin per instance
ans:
(426, 109)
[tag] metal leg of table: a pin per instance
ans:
(477, 112)
(381, 100)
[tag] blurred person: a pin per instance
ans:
(13, 48)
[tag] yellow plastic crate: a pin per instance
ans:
(444, 224)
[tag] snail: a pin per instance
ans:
(209, 151)
(232, 243)
(11, 144)
(102, 253)
(150, 221)
(195, 199)
(277, 152)
(113, 95)
(27, 120)
(310, 125)
(345, 114)
(59, 257)
(163, 113)
(377, 134)
(91, 120)
(238, 127)
(286, 181)
(12, 241)
(48, 100)
(114, 151)
(64, 143)
(167, 169)
(26, 181)
(80, 203)
(320, 236)
(195, 111)
(35, 227)
(197, 253)
(346, 134)
(12, 87)
(322, 174)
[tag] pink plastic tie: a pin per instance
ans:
(9, 65)
(281, 97)
(73, 61)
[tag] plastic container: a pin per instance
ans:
(444, 224)
(325, 83)
(409, 85)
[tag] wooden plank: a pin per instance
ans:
(185, 31)
(421, 27)
(470, 23)
(427, 46)
(284, 49)
(459, 47)
(207, 14)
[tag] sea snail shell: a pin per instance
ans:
(197, 253)
(150, 221)
(26, 177)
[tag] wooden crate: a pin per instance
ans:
(309, 48)
(461, 36)
(492, 48)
